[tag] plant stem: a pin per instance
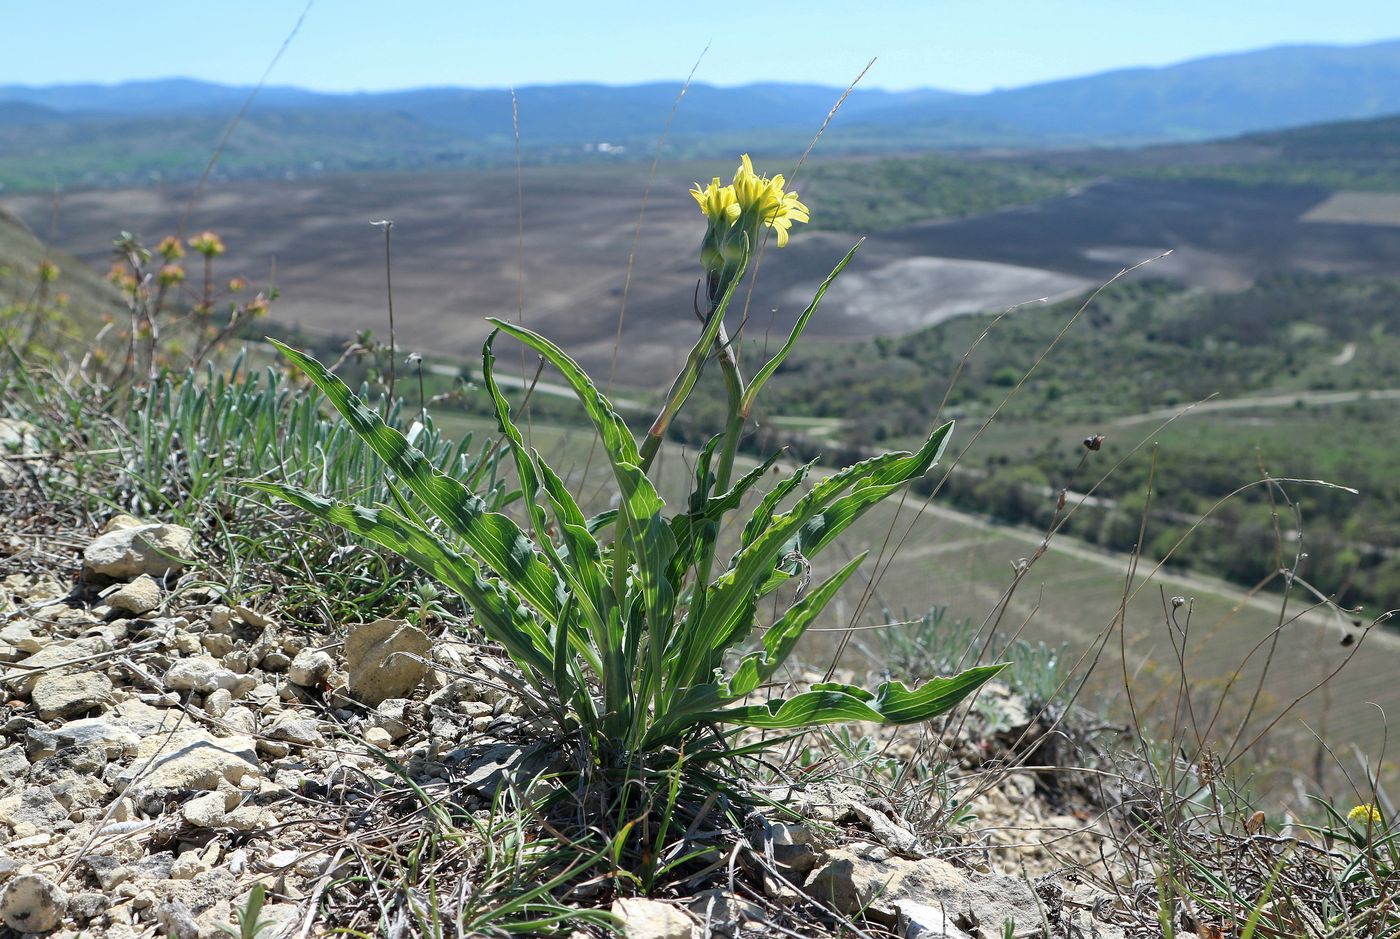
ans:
(388, 226)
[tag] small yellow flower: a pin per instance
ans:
(767, 200)
(208, 244)
(717, 202)
(170, 249)
(48, 271)
(1365, 814)
(170, 274)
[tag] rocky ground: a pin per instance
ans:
(161, 752)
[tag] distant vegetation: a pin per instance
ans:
(1142, 347)
(861, 196)
(1350, 155)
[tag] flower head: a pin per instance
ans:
(170, 249)
(208, 244)
(170, 274)
(717, 202)
(48, 271)
(737, 214)
(1365, 814)
(767, 200)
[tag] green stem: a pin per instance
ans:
(729, 446)
(734, 424)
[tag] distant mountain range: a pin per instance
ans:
(103, 134)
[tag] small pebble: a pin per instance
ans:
(310, 668)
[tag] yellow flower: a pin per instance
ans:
(48, 271)
(717, 202)
(169, 248)
(208, 244)
(170, 274)
(1365, 814)
(737, 214)
(766, 200)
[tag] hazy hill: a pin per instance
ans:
(88, 294)
(139, 131)
(1211, 97)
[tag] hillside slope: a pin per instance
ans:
(87, 295)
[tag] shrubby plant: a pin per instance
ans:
(625, 625)
(171, 325)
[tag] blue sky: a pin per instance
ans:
(346, 45)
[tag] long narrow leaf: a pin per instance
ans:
(496, 608)
(827, 703)
(773, 364)
(496, 539)
(731, 600)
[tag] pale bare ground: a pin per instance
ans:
(911, 293)
(1357, 208)
(458, 259)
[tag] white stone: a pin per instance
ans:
(140, 596)
(191, 759)
(310, 668)
(56, 658)
(218, 702)
(652, 919)
(291, 728)
(32, 903)
(206, 811)
(383, 659)
(116, 739)
(201, 675)
(57, 695)
(154, 549)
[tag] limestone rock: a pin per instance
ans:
(867, 878)
(921, 921)
(140, 596)
(392, 716)
(20, 637)
(201, 675)
(218, 702)
(85, 907)
(146, 720)
(206, 811)
(154, 549)
(300, 731)
(57, 658)
(58, 695)
(32, 903)
(13, 764)
(193, 760)
(120, 522)
(34, 810)
(724, 914)
(383, 659)
(115, 739)
(792, 845)
(39, 744)
(310, 668)
(652, 919)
